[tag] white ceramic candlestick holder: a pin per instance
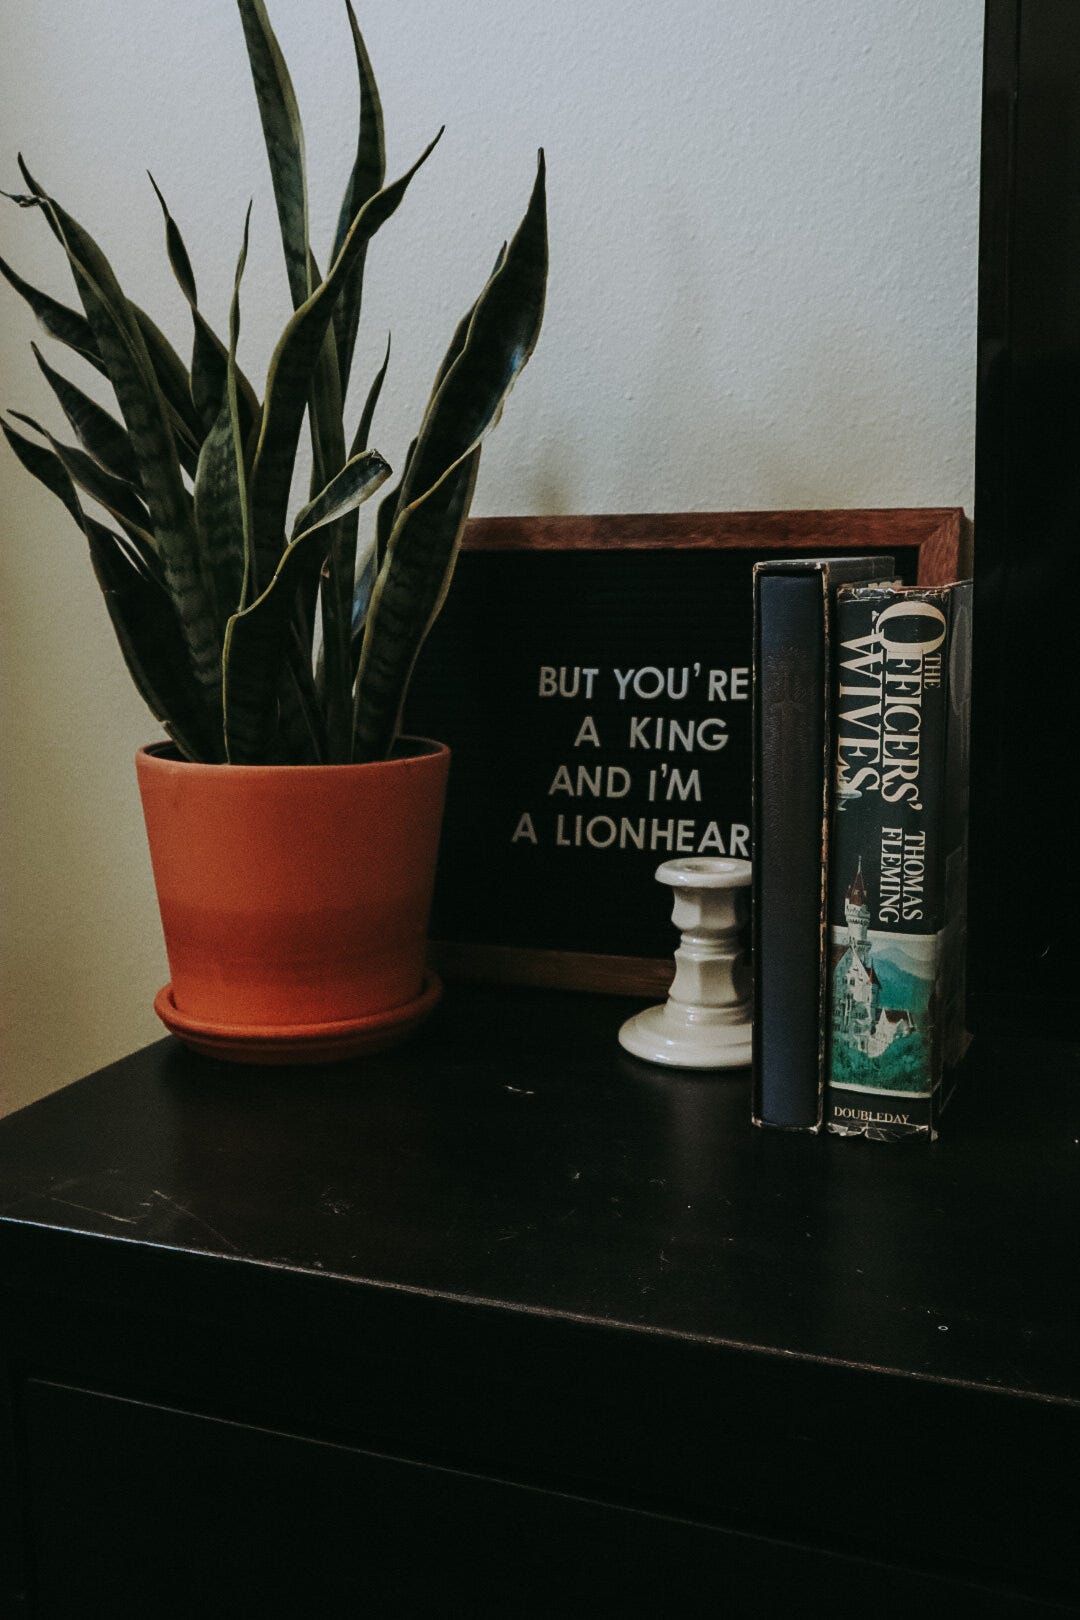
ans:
(705, 1022)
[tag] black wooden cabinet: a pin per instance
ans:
(1025, 879)
(506, 1322)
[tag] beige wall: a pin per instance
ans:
(763, 223)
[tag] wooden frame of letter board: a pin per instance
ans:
(939, 536)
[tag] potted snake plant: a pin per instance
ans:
(293, 830)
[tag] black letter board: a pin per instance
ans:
(592, 678)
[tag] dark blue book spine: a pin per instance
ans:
(789, 784)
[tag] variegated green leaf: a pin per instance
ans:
(208, 352)
(461, 331)
(336, 506)
(221, 515)
(300, 716)
(388, 507)
(46, 467)
(367, 415)
(169, 371)
(391, 503)
(176, 249)
(290, 374)
(299, 697)
(209, 356)
(258, 643)
(114, 494)
(118, 331)
(284, 138)
(366, 574)
(142, 614)
(165, 363)
(355, 584)
(367, 178)
(56, 320)
(501, 336)
(99, 433)
(412, 583)
(335, 586)
(358, 479)
(174, 386)
(437, 486)
(152, 646)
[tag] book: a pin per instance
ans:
(792, 757)
(898, 880)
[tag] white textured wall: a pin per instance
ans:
(763, 224)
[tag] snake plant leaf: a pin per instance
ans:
(303, 696)
(46, 467)
(358, 479)
(219, 520)
(290, 372)
(329, 455)
(412, 582)
(168, 368)
(44, 463)
(138, 560)
(114, 494)
(388, 507)
(501, 336)
(366, 575)
(366, 179)
(437, 486)
(325, 408)
(221, 516)
(99, 433)
(174, 385)
(336, 506)
(152, 645)
(340, 648)
(56, 320)
(141, 612)
(284, 138)
(367, 415)
(119, 335)
(176, 249)
(210, 356)
(257, 642)
(286, 711)
(257, 639)
(461, 331)
(301, 722)
(328, 452)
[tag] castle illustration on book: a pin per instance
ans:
(882, 994)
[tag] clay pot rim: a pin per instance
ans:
(166, 755)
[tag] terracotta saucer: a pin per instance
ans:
(299, 1043)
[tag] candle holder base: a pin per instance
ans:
(706, 1021)
(670, 1034)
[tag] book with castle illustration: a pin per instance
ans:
(898, 872)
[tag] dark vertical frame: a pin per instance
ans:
(1025, 905)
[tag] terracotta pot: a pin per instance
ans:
(294, 900)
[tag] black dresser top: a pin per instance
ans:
(513, 1154)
